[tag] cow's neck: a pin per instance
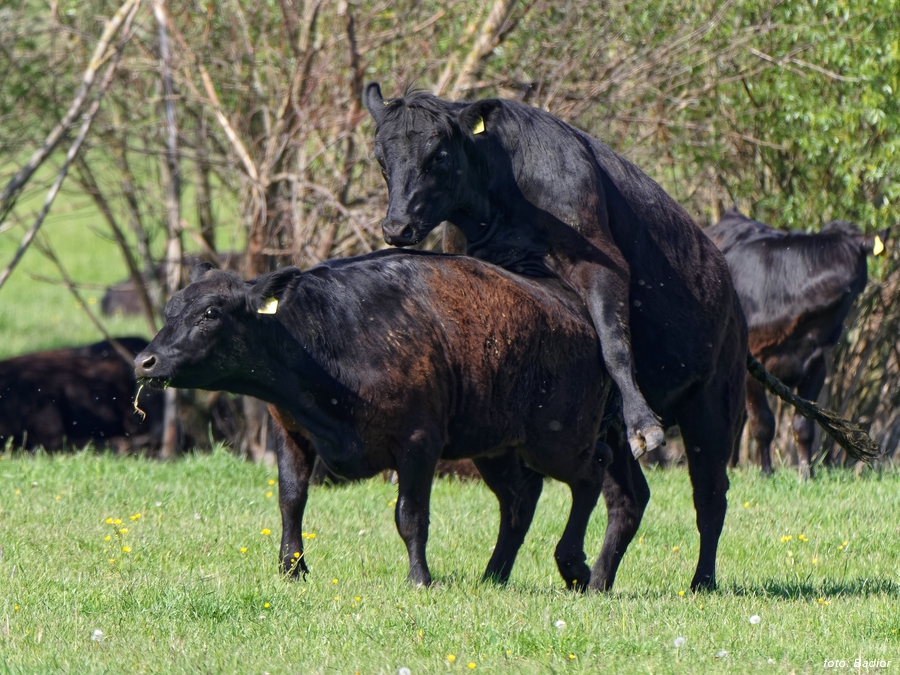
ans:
(286, 372)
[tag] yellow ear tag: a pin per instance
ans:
(878, 248)
(269, 307)
(479, 126)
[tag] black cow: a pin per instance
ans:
(70, 397)
(394, 360)
(539, 197)
(796, 290)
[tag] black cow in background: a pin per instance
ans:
(539, 197)
(70, 397)
(394, 360)
(796, 290)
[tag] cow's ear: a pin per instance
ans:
(374, 101)
(476, 118)
(199, 270)
(875, 244)
(267, 292)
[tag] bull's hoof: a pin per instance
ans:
(702, 583)
(646, 440)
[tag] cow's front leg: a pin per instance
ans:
(605, 291)
(296, 457)
(415, 473)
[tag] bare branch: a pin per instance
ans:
(12, 189)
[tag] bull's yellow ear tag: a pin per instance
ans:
(878, 247)
(270, 306)
(479, 126)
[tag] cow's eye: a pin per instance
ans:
(441, 158)
(211, 313)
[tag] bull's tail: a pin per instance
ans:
(849, 435)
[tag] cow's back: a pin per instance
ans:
(495, 356)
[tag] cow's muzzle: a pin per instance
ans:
(398, 233)
(147, 367)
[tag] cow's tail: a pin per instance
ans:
(849, 435)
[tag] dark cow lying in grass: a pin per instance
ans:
(393, 360)
(539, 197)
(796, 290)
(74, 396)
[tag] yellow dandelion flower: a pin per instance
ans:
(268, 494)
(107, 538)
(126, 549)
(471, 665)
(266, 531)
(18, 492)
(451, 658)
(746, 505)
(681, 593)
(674, 549)
(109, 521)
(787, 537)
(640, 540)
(272, 482)
(16, 608)
(58, 497)
(124, 530)
(815, 561)
(334, 581)
(846, 543)
(136, 516)
(357, 598)
(243, 549)
(296, 554)
(117, 521)
(112, 560)
(266, 605)
(841, 547)
(571, 656)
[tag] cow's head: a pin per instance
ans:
(870, 244)
(427, 151)
(207, 339)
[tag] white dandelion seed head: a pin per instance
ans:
(404, 671)
(560, 625)
(196, 516)
(97, 635)
(755, 619)
(721, 654)
(679, 642)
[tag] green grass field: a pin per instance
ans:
(191, 585)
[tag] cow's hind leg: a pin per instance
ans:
(569, 554)
(295, 461)
(804, 429)
(626, 494)
(709, 424)
(762, 422)
(518, 489)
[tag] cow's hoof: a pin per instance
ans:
(646, 440)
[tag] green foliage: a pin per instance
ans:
(187, 598)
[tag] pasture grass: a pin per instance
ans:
(198, 589)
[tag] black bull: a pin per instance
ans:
(394, 360)
(537, 196)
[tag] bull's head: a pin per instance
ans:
(426, 148)
(207, 339)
